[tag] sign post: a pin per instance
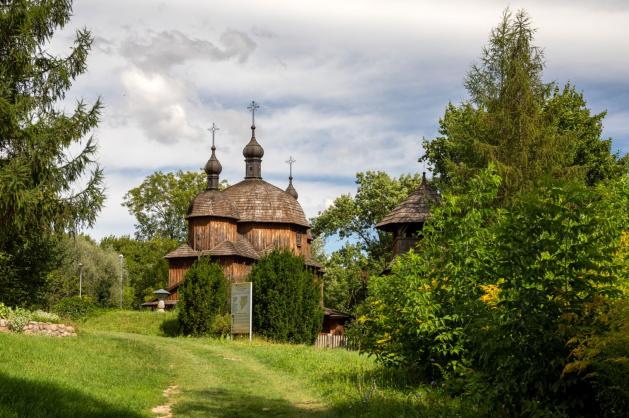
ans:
(242, 308)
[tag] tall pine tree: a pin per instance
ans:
(49, 181)
(528, 128)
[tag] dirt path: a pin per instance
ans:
(216, 380)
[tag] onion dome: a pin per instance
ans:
(213, 169)
(290, 189)
(253, 149)
(253, 153)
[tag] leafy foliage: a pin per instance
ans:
(495, 300)
(75, 308)
(366, 250)
(203, 297)
(527, 128)
(100, 268)
(40, 179)
(345, 279)
(144, 263)
(355, 217)
(286, 299)
(161, 202)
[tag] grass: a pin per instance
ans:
(121, 363)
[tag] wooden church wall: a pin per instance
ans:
(263, 236)
(206, 233)
(177, 269)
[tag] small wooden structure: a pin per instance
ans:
(406, 220)
(236, 226)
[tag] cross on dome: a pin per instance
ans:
(253, 106)
(213, 129)
(290, 163)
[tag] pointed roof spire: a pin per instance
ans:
(253, 151)
(290, 189)
(213, 167)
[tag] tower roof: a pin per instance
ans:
(414, 209)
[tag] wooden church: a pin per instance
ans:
(239, 224)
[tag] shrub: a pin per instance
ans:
(4, 311)
(286, 299)
(495, 303)
(75, 308)
(221, 325)
(202, 296)
(18, 319)
(42, 316)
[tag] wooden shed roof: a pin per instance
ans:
(414, 209)
(259, 201)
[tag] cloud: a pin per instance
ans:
(159, 104)
(162, 50)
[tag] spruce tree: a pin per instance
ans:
(49, 180)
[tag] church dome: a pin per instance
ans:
(213, 166)
(259, 201)
(212, 203)
(253, 149)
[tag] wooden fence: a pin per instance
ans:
(336, 341)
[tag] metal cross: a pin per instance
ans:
(290, 163)
(253, 107)
(213, 129)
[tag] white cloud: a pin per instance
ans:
(345, 86)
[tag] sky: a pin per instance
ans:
(343, 86)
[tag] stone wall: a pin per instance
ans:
(43, 328)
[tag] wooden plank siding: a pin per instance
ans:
(207, 233)
(263, 236)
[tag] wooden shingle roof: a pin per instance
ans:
(241, 247)
(414, 209)
(184, 250)
(259, 201)
(212, 203)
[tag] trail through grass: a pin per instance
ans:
(108, 373)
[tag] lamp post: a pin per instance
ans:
(121, 258)
(80, 280)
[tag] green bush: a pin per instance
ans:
(42, 316)
(75, 308)
(18, 319)
(495, 302)
(202, 296)
(286, 299)
(4, 311)
(221, 325)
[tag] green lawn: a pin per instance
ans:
(121, 363)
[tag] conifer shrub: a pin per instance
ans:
(286, 299)
(202, 297)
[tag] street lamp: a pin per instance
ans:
(121, 257)
(80, 280)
